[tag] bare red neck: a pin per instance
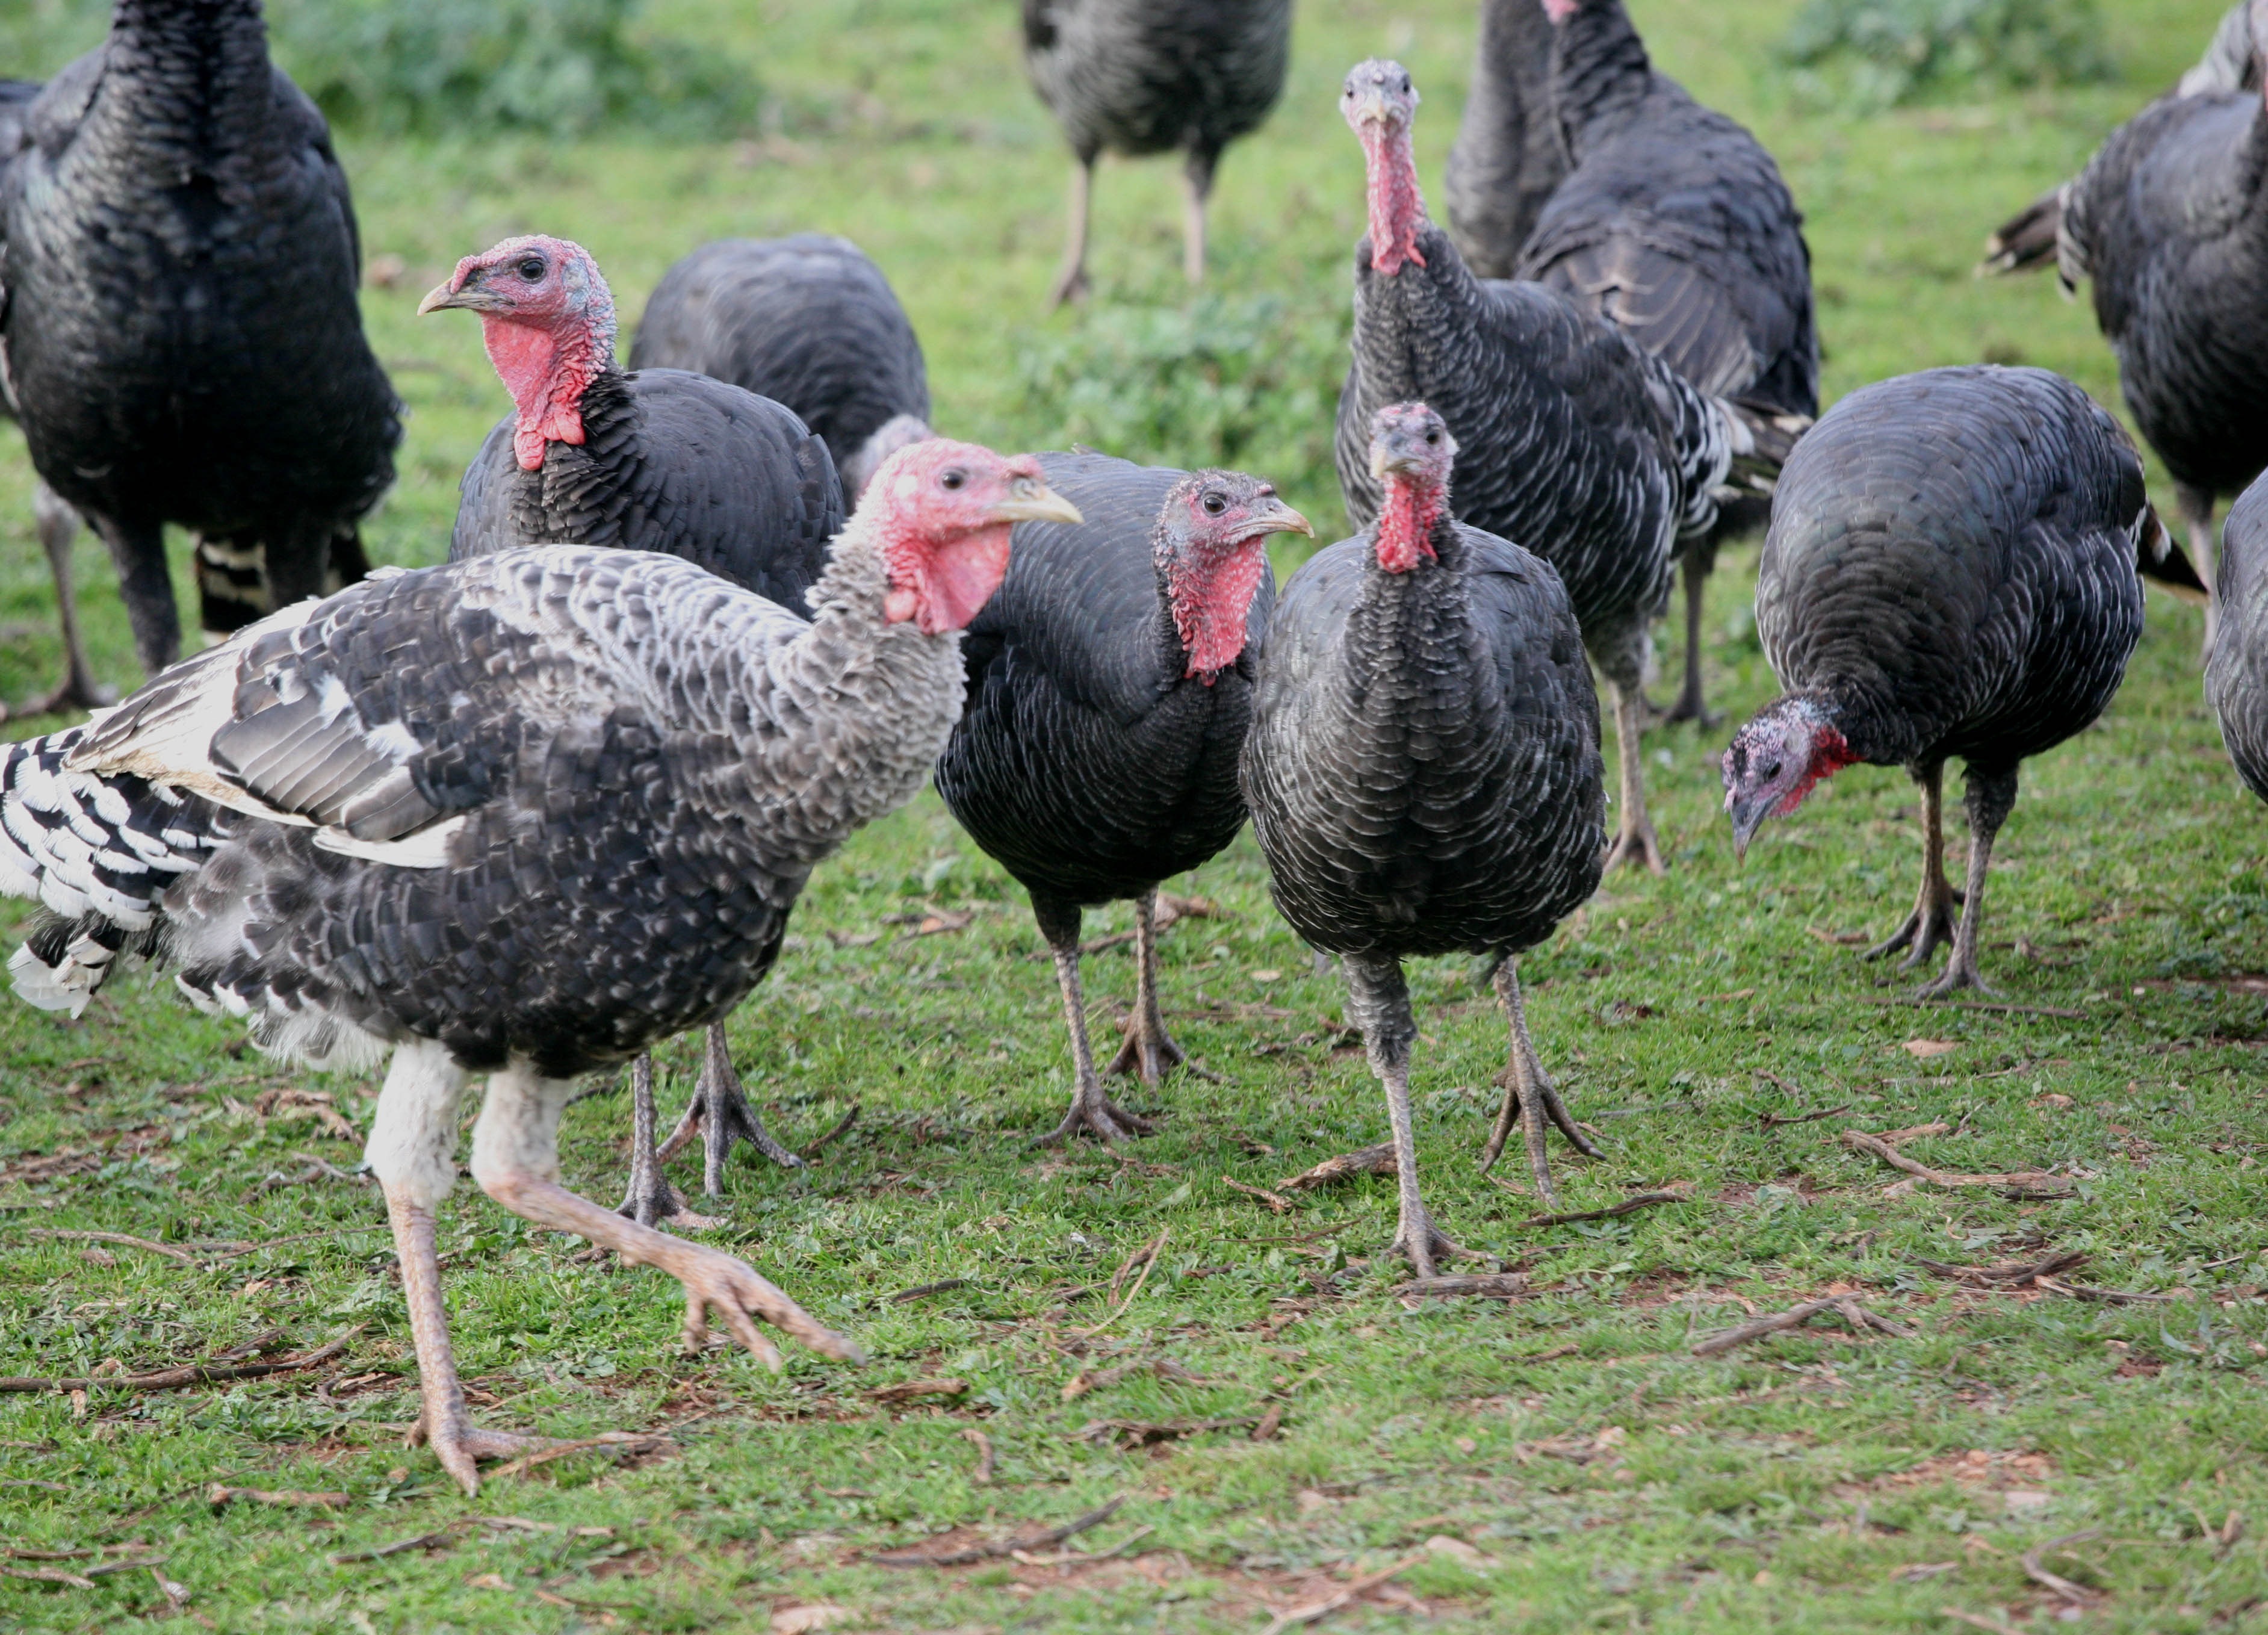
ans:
(1406, 521)
(1397, 209)
(1211, 595)
(546, 374)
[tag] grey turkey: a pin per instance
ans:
(657, 460)
(1141, 76)
(1576, 442)
(1509, 155)
(1110, 686)
(1675, 224)
(2170, 221)
(808, 321)
(1423, 771)
(179, 321)
(2237, 673)
(526, 815)
(1951, 570)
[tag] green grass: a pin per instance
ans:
(1811, 1482)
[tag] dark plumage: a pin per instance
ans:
(1676, 225)
(2236, 671)
(1951, 570)
(1423, 771)
(1576, 442)
(1509, 155)
(809, 322)
(181, 334)
(1140, 76)
(1110, 686)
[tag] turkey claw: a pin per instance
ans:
(713, 1279)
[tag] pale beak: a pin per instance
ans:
(471, 297)
(1031, 500)
(1278, 518)
(1371, 107)
(1747, 817)
(1384, 461)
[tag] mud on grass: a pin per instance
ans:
(1555, 1462)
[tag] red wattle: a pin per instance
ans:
(546, 380)
(1405, 523)
(1210, 600)
(1397, 207)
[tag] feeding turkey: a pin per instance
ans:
(658, 459)
(525, 815)
(1951, 570)
(180, 259)
(808, 321)
(1574, 442)
(1423, 775)
(1675, 224)
(1109, 689)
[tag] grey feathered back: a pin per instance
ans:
(1509, 156)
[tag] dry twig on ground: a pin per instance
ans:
(1842, 1305)
(1370, 1160)
(2029, 1183)
(173, 1379)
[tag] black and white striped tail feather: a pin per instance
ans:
(97, 852)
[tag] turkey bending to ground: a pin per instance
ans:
(182, 338)
(1141, 76)
(1423, 771)
(2170, 220)
(1951, 570)
(2026, 241)
(526, 815)
(2237, 673)
(1575, 442)
(808, 321)
(1509, 155)
(1676, 225)
(657, 460)
(1110, 686)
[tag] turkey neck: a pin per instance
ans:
(185, 79)
(1397, 208)
(1409, 621)
(1599, 73)
(548, 374)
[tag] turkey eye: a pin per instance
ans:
(1770, 770)
(953, 479)
(531, 269)
(1214, 504)
(1432, 437)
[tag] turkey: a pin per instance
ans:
(1509, 155)
(653, 460)
(1576, 442)
(2237, 673)
(1676, 225)
(1951, 570)
(179, 324)
(1140, 76)
(808, 321)
(525, 815)
(2171, 220)
(1110, 684)
(2026, 242)
(1423, 771)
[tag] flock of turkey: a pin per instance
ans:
(531, 813)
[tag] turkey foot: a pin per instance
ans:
(1147, 1048)
(1418, 1238)
(1146, 1054)
(1931, 925)
(1689, 706)
(1989, 797)
(1529, 1096)
(650, 1199)
(1092, 1113)
(1636, 845)
(720, 1112)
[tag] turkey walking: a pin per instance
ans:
(654, 459)
(1951, 570)
(1509, 155)
(808, 321)
(1675, 224)
(178, 322)
(1110, 686)
(1423, 771)
(1574, 441)
(525, 815)
(2236, 674)
(1140, 76)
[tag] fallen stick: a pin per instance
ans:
(48, 1575)
(2077, 1594)
(2030, 1183)
(1628, 1206)
(1370, 1160)
(2116, 1297)
(923, 1291)
(1006, 1547)
(217, 1495)
(423, 1540)
(841, 1127)
(983, 1474)
(1316, 1611)
(173, 1379)
(1275, 1201)
(1147, 1255)
(119, 1238)
(1501, 1286)
(2009, 1275)
(612, 1441)
(1842, 1305)
(1773, 1120)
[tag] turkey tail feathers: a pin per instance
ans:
(2159, 556)
(1763, 437)
(2026, 242)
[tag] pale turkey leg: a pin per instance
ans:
(58, 526)
(1196, 188)
(1378, 1001)
(650, 1199)
(1929, 925)
(2197, 507)
(1092, 1113)
(720, 1112)
(1636, 845)
(1070, 282)
(1988, 798)
(1690, 706)
(1529, 1096)
(1147, 1048)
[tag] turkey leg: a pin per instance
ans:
(1196, 188)
(2197, 516)
(720, 1111)
(650, 1199)
(1637, 843)
(138, 551)
(1070, 282)
(1529, 1095)
(1989, 796)
(1147, 1050)
(1092, 1112)
(1378, 1002)
(58, 526)
(1689, 706)
(1929, 925)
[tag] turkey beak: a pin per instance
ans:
(1275, 516)
(1031, 500)
(1371, 108)
(1747, 816)
(467, 297)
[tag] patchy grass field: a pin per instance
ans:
(1557, 1461)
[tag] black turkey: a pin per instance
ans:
(2237, 673)
(1951, 570)
(1140, 76)
(1423, 771)
(654, 459)
(1675, 224)
(1110, 686)
(526, 815)
(1575, 442)
(1509, 155)
(178, 322)
(808, 321)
